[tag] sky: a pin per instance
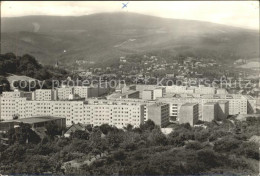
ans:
(234, 13)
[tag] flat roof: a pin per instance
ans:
(40, 119)
(118, 95)
(210, 103)
(189, 104)
(223, 101)
(158, 104)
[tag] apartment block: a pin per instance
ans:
(81, 91)
(14, 94)
(210, 111)
(223, 109)
(12, 107)
(117, 114)
(159, 114)
(94, 112)
(221, 91)
(205, 90)
(237, 104)
(141, 88)
(177, 89)
(148, 95)
(128, 94)
(158, 93)
(63, 93)
(189, 113)
(44, 95)
(176, 103)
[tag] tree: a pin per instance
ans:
(105, 128)
(89, 128)
(202, 135)
(52, 129)
(156, 137)
(23, 134)
(129, 127)
(194, 145)
(208, 157)
(226, 144)
(4, 84)
(148, 125)
(249, 149)
(119, 155)
(80, 135)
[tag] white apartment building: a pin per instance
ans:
(205, 90)
(158, 93)
(44, 95)
(114, 113)
(10, 107)
(141, 88)
(195, 90)
(237, 104)
(63, 93)
(148, 95)
(176, 103)
(146, 103)
(81, 91)
(177, 89)
(94, 112)
(221, 91)
(153, 93)
(66, 93)
(14, 94)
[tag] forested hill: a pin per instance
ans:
(105, 37)
(27, 65)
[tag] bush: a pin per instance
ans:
(227, 144)
(249, 149)
(194, 145)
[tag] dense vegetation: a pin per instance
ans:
(222, 148)
(27, 65)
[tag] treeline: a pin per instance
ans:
(27, 65)
(220, 149)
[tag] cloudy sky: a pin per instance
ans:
(236, 13)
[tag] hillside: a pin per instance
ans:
(105, 37)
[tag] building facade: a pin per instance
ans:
(189, 113)
(159, 114)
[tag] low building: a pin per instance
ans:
(34, 122)
(73, 128)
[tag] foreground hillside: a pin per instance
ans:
(106, 36)
(225, 149)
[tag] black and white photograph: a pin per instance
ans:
(143, 88)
